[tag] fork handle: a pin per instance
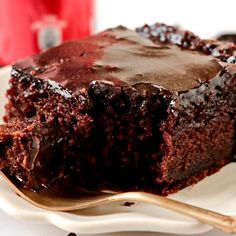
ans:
(219, 221)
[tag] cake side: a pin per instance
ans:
(56, 114)
(202, 137)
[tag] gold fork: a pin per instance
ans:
(52, 200)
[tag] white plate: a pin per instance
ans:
(216, 193)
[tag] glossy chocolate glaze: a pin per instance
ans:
(127, 140)
(122, 57)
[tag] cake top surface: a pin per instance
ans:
(123, 57)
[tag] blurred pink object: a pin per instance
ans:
(30, 26)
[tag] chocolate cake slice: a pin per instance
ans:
(133, 114)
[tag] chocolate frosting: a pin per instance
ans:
(122, 57)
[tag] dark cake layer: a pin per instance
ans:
(56, 114)
(136, 115)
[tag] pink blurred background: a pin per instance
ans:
(30, 26)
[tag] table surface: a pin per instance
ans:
(13, 227)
